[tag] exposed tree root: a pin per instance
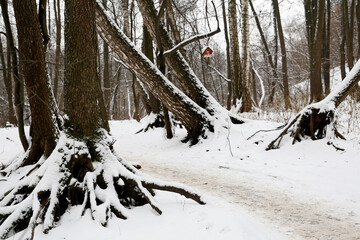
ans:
(316, 121)
(157, 121)
(85, 173)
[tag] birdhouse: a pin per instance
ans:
(207, 52)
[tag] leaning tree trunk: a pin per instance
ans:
(195, 119)
(180, 68)
(318, 120)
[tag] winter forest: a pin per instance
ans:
(169, 119)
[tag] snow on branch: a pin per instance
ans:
(196, 37)
(3, 99)
(220, 74)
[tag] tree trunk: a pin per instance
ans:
(42, 21)
(315, 19)
(43, 129)
(195, 120)
(228, 56)
(148, 49)
(246, 105)
(174, 29)
(342, 51)
(358, 25)
(57, 13)
(81, 97)
(106, 75)
(267, 53)
(15, 70)
(348, 31)
(283, 55)
(8, 86)
(235, 52)
(326, 48)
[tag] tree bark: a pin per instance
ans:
(235, 52)
(58, 47)
(8, 86)
(15, 70)
(106, 75)
(315, 25)
(147, 49)
(42, 20)
(228, 56)
(246, 105)
(81, 82)
(174, 29)
(283, 55)
(348, 31)
(44, 125)
(326, 48)
(358, 25)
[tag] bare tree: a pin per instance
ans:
(283, 55)
(314, 13)
(235, 52)
(228, 56)
(246, 105)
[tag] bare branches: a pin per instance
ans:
(190, 40)
(196, 37)
(219, 73)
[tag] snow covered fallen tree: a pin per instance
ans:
(318, 120)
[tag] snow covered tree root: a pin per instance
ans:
(315, 121)
(87, 174)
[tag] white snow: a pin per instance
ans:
(251, 193)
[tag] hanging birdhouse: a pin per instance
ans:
(207, 52)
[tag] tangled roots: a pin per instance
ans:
(89, 174)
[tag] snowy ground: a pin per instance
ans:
(303, 191)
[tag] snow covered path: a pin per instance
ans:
(299, 217)
(304, 191)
